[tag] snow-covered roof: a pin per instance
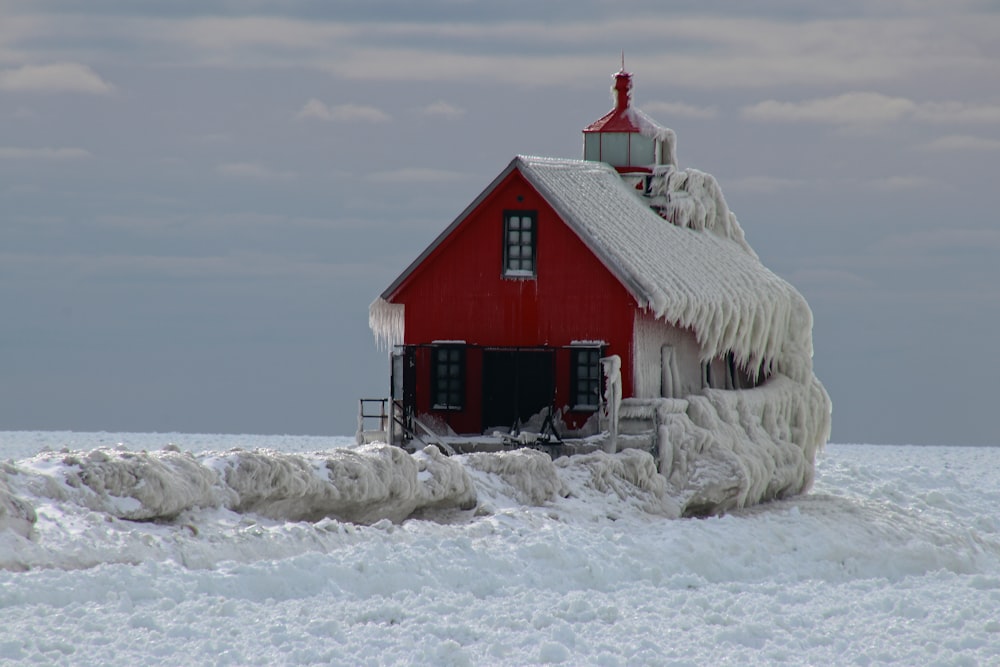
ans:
(695, 271)
(691, 267)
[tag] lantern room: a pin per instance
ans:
(625, 137)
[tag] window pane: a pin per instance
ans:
(515, 222)
(592, 146)
(515, 252)
(643, 150)
(614, 148)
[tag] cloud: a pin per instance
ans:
(962, 142)
(15, 153)
(957, 112)
(901, 183)
(416, 175)
(703, 50)
(847, 109)
(253, 171)
(865, 108)
(763, 184)
(24, 113)
(443, 109)
(680, 110)
(54, 78)
(237, 264)
(941, 242)
(346, 113)
(829, 278)
(314, 109)
(848, 47)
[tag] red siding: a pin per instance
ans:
(459, 293)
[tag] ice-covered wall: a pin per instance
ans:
(735, 448)
(649, 337)
(721, 449)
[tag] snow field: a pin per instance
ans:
(893, 558)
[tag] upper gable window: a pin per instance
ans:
(520, 233)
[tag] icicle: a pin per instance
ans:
(387, 322)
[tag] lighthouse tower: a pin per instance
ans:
(626, 138)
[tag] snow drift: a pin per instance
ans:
(361, 485)
(892, 558)
(15, 513)
(364, 484)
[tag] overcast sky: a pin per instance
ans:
(198, 202)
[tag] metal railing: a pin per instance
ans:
(372, 409)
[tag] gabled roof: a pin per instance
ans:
(706, 279)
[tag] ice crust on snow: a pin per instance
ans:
(893, 558)
(15, 513)
(362, 485)
(531, 475)
(713, 464)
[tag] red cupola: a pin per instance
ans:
(625, 137)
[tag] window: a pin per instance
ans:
(519, 233)
(586, 381)
(614, 148)
(642, 150)
(448, 377)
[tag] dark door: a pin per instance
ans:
(516, 385)
(403, 389)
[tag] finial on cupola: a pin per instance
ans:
(623, 87)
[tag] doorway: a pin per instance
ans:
(516, 385)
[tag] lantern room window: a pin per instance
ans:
(448, 377)
(586, 380)
(520, 233)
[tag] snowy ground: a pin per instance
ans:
(894, 557)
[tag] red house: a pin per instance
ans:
(559, 264)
